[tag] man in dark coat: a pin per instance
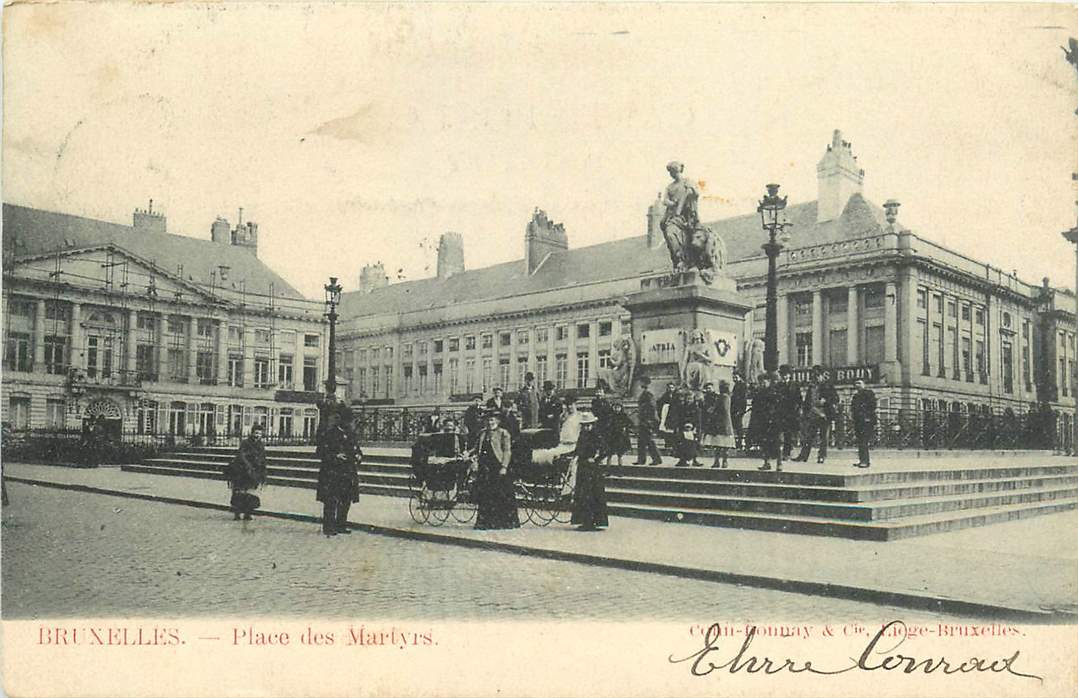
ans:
(765, 425)
(473, 420)
(666, 400)
(739, 404)
(647, 423)
(338, 479)
(498, 403)
(528, 402)
(246, 472)
(589, 491)
(550, 408)
(818, 412)
(789, 396)
(863, 412)
(601, 408)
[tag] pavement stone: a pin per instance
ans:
(75, 554)
(1026, 565)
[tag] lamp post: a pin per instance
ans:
(773, 219)
(333, 299)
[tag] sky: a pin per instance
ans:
(359, 133)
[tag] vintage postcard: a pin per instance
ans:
(498, 349)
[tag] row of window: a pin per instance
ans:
(371, 355)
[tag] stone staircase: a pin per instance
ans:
(885, 503)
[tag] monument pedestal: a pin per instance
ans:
(678, 320)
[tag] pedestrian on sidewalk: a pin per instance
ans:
(766, 425)
(720, 431)
(246, 472)
(528, 402)
(863, 412)
(495, 495)
(818, 412)
(473, 420)
(589, 491)
(621, 428)
(338, 478)
(647, 424)
(789, 395)
(739, 405)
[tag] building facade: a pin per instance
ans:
(153, 332)
(932, 329)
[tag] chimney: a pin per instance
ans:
(220, 232)
(450, 255)
(372, 276)
(541, 238)
(246, 236)
(838, 178)
(655, 218)
(149, 221)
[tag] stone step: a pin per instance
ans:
(888, 510)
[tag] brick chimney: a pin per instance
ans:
(149, 221)
(220, 232)
(246, 235)
(541, 238)
(838, 178)
(372, 276)
(450, 255)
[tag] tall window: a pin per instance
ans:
(454, 376)
(284, 371)
(488, 374)
(522, 369)
(561, 370)
(437, 387)
(262, 372)
(146, 361)
(235, 370)
(922, 337)
(375, 381)
(540, 369)
(1007, 356)
(874, 338)
(454, 344)
(542, 335)
(407, 379)
(177, 365)
(604, 358)
(18, 352)
(55, 350)
(19, 412)
(503, 373)
(967, 359)
(582, 372)
(54, 413)
(978, 358)
(837, 348)
(522, 338)
(803, 344)
(310, 373)
(469, 375)
(937, 345)
(952, 352)
(488, 341)
(469, 342)
(423, 385)
(361, 382)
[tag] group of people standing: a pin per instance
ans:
(783, 415)
(690, 421)
(339, 456)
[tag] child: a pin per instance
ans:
(687, 446)
(620, 428)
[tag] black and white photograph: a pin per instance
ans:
(494, 349)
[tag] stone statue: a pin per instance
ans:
(696, 367)
(754, 361)
(692, 245)
(619, 376)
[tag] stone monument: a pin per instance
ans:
(688, 324)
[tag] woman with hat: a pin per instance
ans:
(495, 498)
(589, 495)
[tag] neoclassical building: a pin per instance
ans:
(156, 332)
(858, 292)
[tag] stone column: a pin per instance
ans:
(817, 327)
(192, 348)
(162, 349)
(39, 336)
(782, 315)
(593, 352)
(132, 343)
(890, 322)
(853, 325)
(77, 356)
(222, 352)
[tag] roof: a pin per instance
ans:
(29, 231)
(608, 261)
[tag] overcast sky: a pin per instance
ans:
(360, 133)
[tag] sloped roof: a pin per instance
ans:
(608, 261)
(29, 231)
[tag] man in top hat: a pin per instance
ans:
(863, 412)
(647, 423)
(789, 408)
(338, 479)
(473, 420)
(550, 407)
(528, 402)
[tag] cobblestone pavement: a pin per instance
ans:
(76, 554)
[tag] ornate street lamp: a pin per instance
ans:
(772, 210)
(333, 299)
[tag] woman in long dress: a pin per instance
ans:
(721, 435)
(496, 500)
(589, 496)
